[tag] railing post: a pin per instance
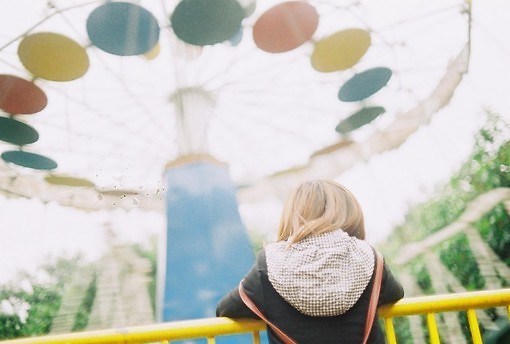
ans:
(390, 331)
(256, 337)
(473, 327)
(432, 325)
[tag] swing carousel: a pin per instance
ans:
(190, 108)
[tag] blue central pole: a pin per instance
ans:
(207, 248)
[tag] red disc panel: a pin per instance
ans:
(285, 27)
(20, 96)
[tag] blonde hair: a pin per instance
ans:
(320, 206)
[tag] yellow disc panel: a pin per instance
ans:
(153, 53)
(68, 181)
(341, 50)
(52, 56)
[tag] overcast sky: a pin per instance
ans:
(386, 185)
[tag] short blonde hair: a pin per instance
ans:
(320, 206)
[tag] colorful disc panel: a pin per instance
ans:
(123, 29)
(153, 53)
(30, 160)
(359, 119)
(20, 96)
(285, 27)
(363, 85)
(206, 22)
(52, 56)
(17, 132)
(68, 181)
(340, 51)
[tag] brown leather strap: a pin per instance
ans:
(374, 298)
(249, 303)
(372, 308)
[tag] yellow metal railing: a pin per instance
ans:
(213, 327)
(208, 328)
(430, 305)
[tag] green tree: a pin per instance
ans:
(486, 168)
(31, 300)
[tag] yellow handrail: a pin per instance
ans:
(447, 303)
(429, 305)
(175, 330)
(210, 328)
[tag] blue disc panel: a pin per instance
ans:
(122, 28)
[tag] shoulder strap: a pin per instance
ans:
(249, 303)
(374, 297)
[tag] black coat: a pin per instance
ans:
(346, 328)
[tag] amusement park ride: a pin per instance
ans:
(134, 89)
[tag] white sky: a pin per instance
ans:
(385, 186)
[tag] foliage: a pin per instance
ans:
(151, 255)
(489, 164)
(457, 256)
(494, 228)
(44, 303)
(32, 300)
(10, 325)
(487, 168)
(403, 330)
(82, 316)
(423, 279)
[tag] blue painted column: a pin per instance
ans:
(207, 248)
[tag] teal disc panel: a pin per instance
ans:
(16, 132)
(364, 84)
(30, 160)
(359, 119)
(207, 22)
